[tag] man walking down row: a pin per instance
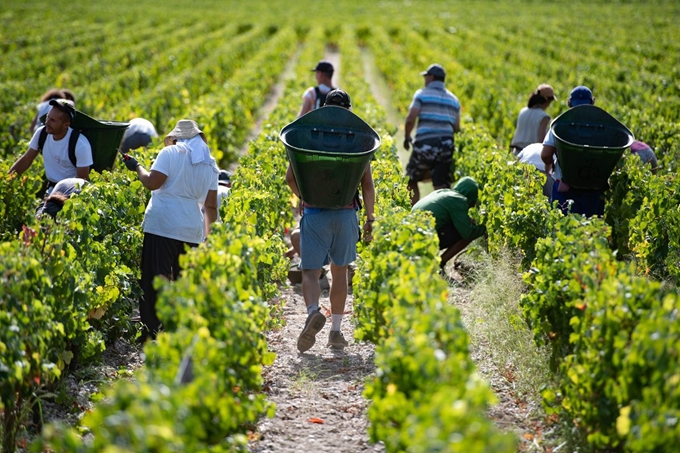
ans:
(315, 97)
(437, 112)
(329, 236)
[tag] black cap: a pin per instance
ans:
(65, 106)
(435, 70)
(324, 66)
(224, 178)
(338, 97)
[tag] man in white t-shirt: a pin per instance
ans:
(55, 153)
(315, 97)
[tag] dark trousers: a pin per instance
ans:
(448, 236)
(160, 256)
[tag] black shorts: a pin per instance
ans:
(448, 236)
(433, 156)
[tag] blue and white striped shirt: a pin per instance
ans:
(439, 109)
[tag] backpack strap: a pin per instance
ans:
(41, 139)
(75, 134)
(357, 200)
(320, 97)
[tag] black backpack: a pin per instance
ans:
(320, 97)
(75, 134)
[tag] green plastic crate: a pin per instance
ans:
(589, 142)
(104, 137)
(329, 150)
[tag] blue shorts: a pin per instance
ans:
(328, 234)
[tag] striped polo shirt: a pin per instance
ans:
(439, 109)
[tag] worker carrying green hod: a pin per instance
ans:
(455, 228)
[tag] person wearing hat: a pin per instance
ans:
(533, 121)
(338, 98)
(437, 113)
(314, 97)
(182, 180)
(55, 151)
(586, 202)
(449, 207)
(329, 236)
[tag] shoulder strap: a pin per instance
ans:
(357, 200)
(41, 139)
(318, 101)
(75, 134)
(320, 97)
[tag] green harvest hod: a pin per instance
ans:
(329, 150)
(589, 142)
(104, 138)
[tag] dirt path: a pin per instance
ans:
(318, 394)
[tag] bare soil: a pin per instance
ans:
(318, 394)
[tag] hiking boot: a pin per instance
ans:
(336, 340)
(313, 325)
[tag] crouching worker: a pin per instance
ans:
(61, 192)
(455, 228)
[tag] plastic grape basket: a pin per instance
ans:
(329, 150)
(589, 142)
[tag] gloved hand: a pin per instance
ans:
(407, 143)
(131, 163)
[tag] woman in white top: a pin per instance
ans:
(182, 180)
(533, 121)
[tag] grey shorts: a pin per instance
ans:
(329, 234)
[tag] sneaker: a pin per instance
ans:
(313, 325)
(336, 340)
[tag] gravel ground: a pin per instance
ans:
(318, 394)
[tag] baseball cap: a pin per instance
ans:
(324, 66)
(338, 97)
(224, 178)
(435, 70)
(580, 95)
(546, 91)
(65, 106)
